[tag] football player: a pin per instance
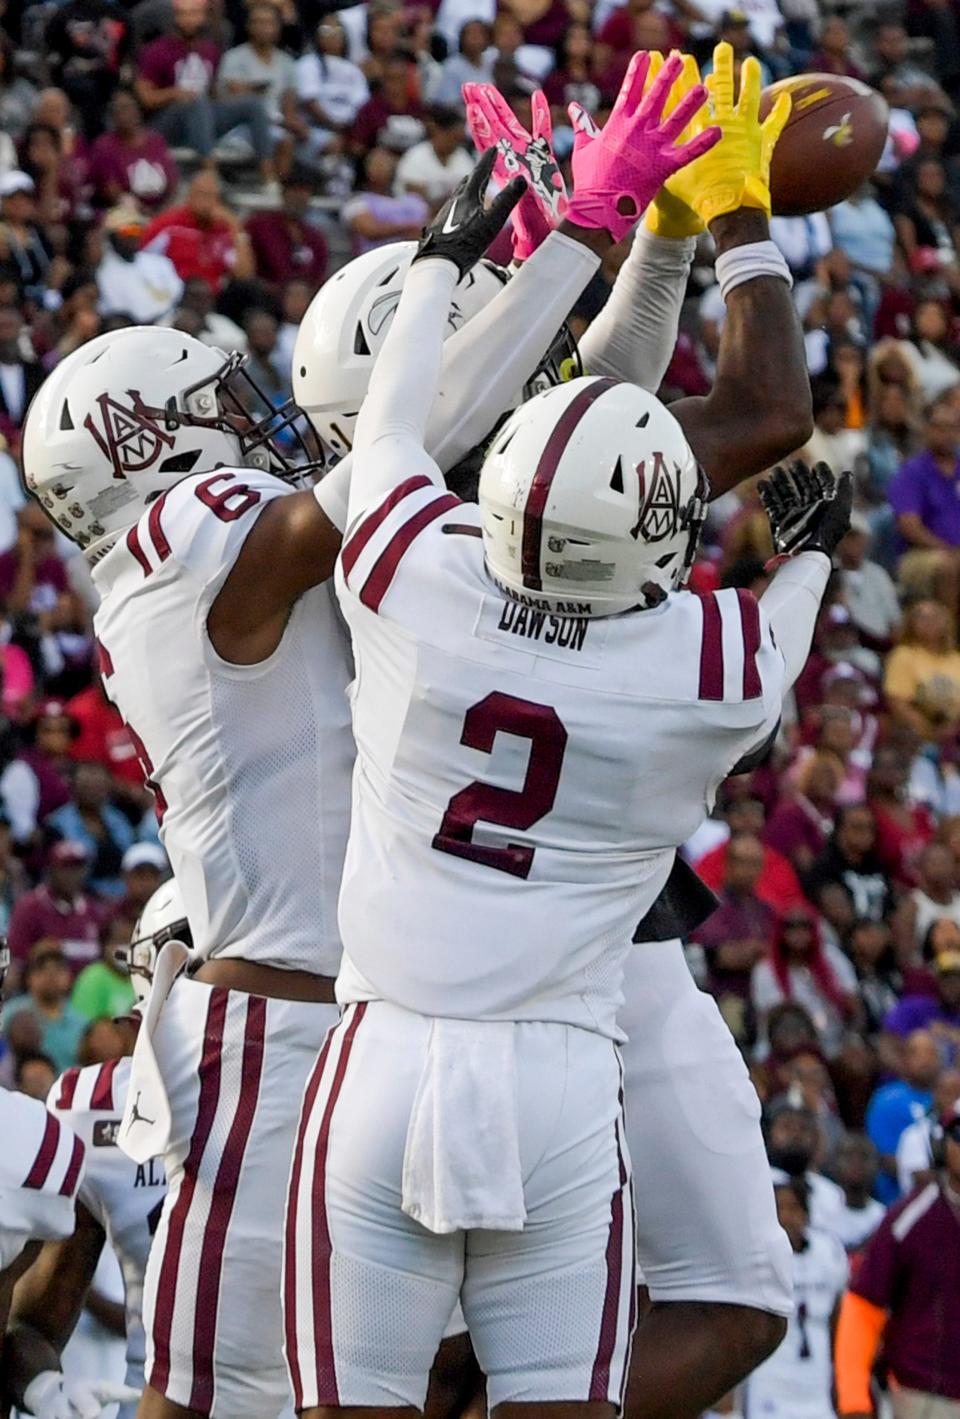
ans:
(217, 626)
(119, 1201)
(514, 756)
(714, 1260)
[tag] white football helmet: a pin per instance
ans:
(346, 324)
(131, 413)
(163, 919)
(591, 499)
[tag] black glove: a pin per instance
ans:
(809, 508)
(463, 228)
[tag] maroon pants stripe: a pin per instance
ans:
(290, 1240)
(221, 1207)
(210, 1065)
(600, 1378)
(322, 1247)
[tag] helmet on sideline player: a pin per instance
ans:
(591, 499)
(347, 322)
(130, 414)
(163, 919)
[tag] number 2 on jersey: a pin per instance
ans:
(505, 807)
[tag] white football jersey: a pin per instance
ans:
(250, 764)
(125, 1197)
(523, 778)
(797, 1378)
(41, 1168)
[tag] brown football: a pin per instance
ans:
(831, 144)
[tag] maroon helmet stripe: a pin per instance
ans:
(133, 546)
(542, 482)
(750, 623)
(157, 534)
(102, 1096)
(356, 543)
(73, 1170)
(68, 1088)
(711, 650)
(384, 570)
(46, 1153)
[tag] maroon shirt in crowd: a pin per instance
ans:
(49, 579)
(74, 923)
(144, 170)
(911, 1267)
(172, 62)
(285, 248)
(398, 130)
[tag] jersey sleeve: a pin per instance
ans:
(203, 522)
(90, 1101)
(41, 1172)
(739, 674)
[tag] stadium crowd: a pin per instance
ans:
(208, 166)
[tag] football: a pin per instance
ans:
(832, 142)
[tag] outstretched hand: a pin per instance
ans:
(464, 227)
(808, 508)
(620, 168)
(493, 124)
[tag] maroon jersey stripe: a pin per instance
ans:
(539, 490)
(221, 1208)
(157, 534)
(384, 570)
(206, 1112)
(73, 1170)
(352, 548)
(322, 1249)
(102, 1096)
(134, 548)
(46, 1153)
(290, 1240)
(68, 1088)
(711, 650)
(750, 623)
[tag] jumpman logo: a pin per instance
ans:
(136, 1116)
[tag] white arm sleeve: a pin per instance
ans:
(633, 337)
(792, 601)
(486, 364)
(389, 445)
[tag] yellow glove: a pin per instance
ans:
(735, 173)
(668, 215)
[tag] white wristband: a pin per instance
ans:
(746, 263)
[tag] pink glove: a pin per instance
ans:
(493, 124)
(619, 169)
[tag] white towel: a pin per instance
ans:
(461, 1163)
(145, 1126)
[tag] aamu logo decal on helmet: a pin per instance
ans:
(660, 507)
(130, 436)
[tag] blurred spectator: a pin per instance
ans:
(777, 884)
(902, 1102)
(144, 867)
(571, 80)
(436, 166)
(87, 43)
(904, 1294)
(800, 827)
(922, 674)
(46, 996)
(294, 300)
(915, 85)
(199, 318)
(878, 976)
(927, 225)
(393, 116)
(850, 861)
(102, 1041)
(60, 909)
(794, 1146)
(833, 56)
(924, 496)
(18, 97)
(932, 349)
(103, 988)
(868, 592)
(261, 70)
(32, 576)
(738, 934)
(138, 283)
(374, 215)
(855, 1165)
(798, 1377)
(914, 1151)
(285, 244)
(264, 367)
(330, 88)
(176, 79)
(831, 441)
(92, 820)
(35, 782)
(935, 896)
(734, 29)
(203, 238)
(34, 1075)
(904, 827)
(472, 64)
(802, 968)
(20, 376)
(866, 235)
(130, 159)
(938, 1015)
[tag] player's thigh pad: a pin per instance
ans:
(707, 1226)
(551, 1309)
(367, 1291)
(234, 1066)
